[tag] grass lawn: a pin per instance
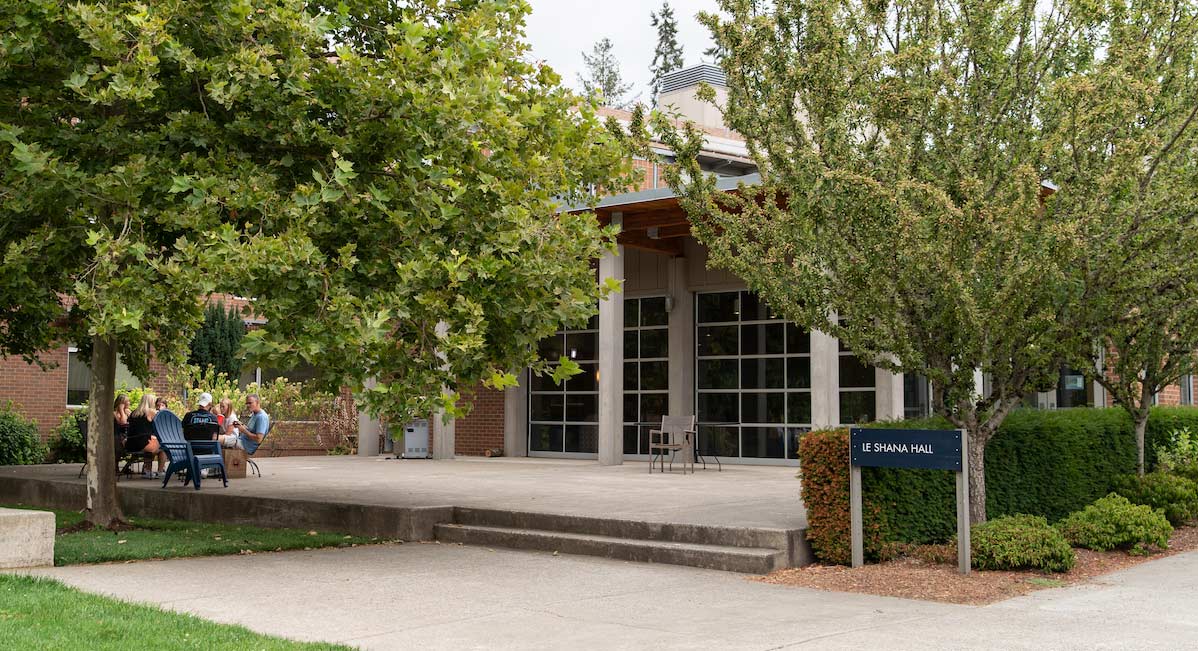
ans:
(37, 613)
(152, 539)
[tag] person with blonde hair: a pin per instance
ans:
(228, 424)
(141, 436)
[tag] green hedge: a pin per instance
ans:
(1046, 463)
(20, 443)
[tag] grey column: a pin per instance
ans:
(889, 394)
(444, 441)
(515, 417)
(682, 341)
(611, 360)
(825, 380)
(368, 431)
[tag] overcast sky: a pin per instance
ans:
(560, 30)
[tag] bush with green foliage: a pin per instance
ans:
(67, 444)
(1177, 454)
(1176, 496)
(1017, 542)
(1113, 522)
(20, 443)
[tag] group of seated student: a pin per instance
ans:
(223, 425)
(134, 430)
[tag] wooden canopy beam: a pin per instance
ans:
(671, 247)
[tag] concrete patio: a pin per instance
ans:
(744, 518)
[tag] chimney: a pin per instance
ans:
(678, 94)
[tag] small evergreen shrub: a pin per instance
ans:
(67, 444)
(1115, 523)
(1176, 496)
(20, 443)
(1017, 542)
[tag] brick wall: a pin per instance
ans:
(293, 438)
(482, 429)
(36, 394)
(651, 176)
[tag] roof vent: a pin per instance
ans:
(693, 76)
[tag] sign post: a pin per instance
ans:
(909, 448)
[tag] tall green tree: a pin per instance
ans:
(381, 175)
(603, 81)
(217, 344)
(1125, 163)
(903, 149)
(667, 56)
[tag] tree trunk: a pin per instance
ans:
(977, 477)
(1141, 420)
(103, 509)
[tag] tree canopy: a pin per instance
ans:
(603, 81)
(1126, 160)
(907, 153)
(381, 176)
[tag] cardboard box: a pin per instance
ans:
(234, 462)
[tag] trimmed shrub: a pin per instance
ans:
(1115, 523)
(824, 459)
(20, 443)
(1017, 542)
(1176, 496)
(67, 444)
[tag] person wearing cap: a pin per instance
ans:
(201, 424)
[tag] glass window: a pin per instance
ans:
(753, 378)
(762, 339)
(561, 416)
(855, 373)
(763, 442)
(857, 407)
(655, 343)
(717, 374)
(858, 401)
(718, 340)
(1073, 390)
(917, 396)
(723, 307)
(762, 373)
(79, 378)
(1186, 384)
(646, 370)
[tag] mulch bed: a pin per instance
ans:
(925, 574)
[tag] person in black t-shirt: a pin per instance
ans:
(141, 434)
(201, 424)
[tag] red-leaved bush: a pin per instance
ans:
(824, 471)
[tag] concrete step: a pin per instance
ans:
(778, 539)
(754, 560)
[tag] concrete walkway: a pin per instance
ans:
(739, 496)
(431, 596)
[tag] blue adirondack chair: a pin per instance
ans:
(191, 456)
